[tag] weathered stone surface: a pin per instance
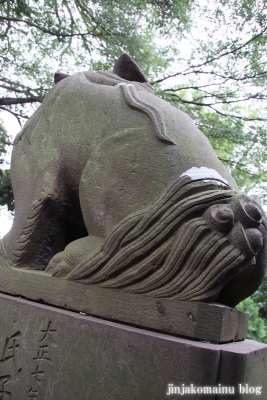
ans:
(195, 320)
(246, 363)
(51, 354)
(117, 188)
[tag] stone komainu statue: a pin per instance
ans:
(114, 186)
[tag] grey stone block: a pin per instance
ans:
(52, 354)
(193, 320)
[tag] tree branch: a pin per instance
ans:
(7, 101)
(214, 58)
(16, 115)
(237, 116)
(196, 102)
(48, 31)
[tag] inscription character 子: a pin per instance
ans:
(4, 393)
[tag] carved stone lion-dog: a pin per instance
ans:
(114, 186)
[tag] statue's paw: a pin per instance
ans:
(58, 266)
(240, 221)
(244, 224)
(65, 262)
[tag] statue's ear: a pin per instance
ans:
(126, 68)
(58, 77)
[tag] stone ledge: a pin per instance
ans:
(194, 320)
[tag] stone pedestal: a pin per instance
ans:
(52, 354)
(192, 320)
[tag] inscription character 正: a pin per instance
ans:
(42, 353)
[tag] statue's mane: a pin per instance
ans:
(168, 250)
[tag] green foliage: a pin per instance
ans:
(38, 38)
(256, 307)
(3, 141)
(257, 327)
(260, 297)
(6, 194)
